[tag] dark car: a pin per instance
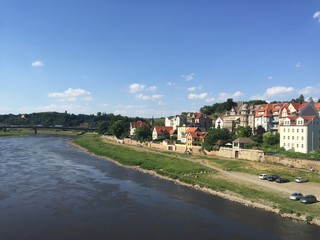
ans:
(282, 180)
(272, 177)
(308, 199)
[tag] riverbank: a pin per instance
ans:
(202, 178)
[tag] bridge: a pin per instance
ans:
(55, 127)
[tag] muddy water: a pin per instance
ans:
(50, 190)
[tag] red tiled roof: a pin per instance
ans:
(198, 135)
(138, 124)
(293, 120)
(192, 129)
(161, 129)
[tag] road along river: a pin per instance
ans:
(51, 190)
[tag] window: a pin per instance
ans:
(284, 144)
(302, 145)
(297, 145)
(288, 137)
(302, 138)
(292, 129)
(284, 137)
(292, 137)
(302, 130)
(284, 130)
(297, 137)
(297, 130)
(288, 129)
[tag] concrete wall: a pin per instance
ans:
(248, 154)
(298, 163)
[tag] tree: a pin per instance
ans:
(143, 133)
(103, 127)
(214, 135)
(243, 131)
(119, 129)
(271, 139)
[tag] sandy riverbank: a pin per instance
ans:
(226, 195)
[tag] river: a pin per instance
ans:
(52, 190)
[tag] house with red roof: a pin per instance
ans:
(134, 125)
(159, 132)
(195, 139)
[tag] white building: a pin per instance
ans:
(174, 121)
(300, 133)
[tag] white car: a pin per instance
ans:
(296, 196)
(263, 176)
(301, 180)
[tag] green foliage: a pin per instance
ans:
(243, 131)
(103, 127)
(218, 107)
(214, 135)
(255, 102)
(270, 138)
(143, 133)
(119, 128)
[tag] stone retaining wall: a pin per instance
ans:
(298, 163)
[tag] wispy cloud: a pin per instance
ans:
(316, 15)
(298, 65)
(149, 97)
(188, 77)
(37, 64)
(194, 96)
(191, 89)
(224, 96)
(210, 100)
(171, 84)
(71, 95)
(309, 90)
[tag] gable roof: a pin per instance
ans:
(198, 135)
(293, 120)
(162, 129)
(138, 124)
(243, 140)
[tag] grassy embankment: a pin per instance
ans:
(175, 167)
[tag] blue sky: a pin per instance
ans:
(155, 58)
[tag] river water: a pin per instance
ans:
(51, 190)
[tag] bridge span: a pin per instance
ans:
(56, 127)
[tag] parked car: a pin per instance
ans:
(272, 177)
(296, 196)
(301, 180)
(308, 199)
(263, 176)
(282, 180)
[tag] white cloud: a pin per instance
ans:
(224, 96)
(136, 87)
(188, 77)
(308, 90)
(71, 95)
(317, 15)
(278, 90)
(192, 88)
(270, 78)
(149, 97)
(152, 88)
(171, 84)
(161, 103)
(194, 96)
(298, 65)
(37, 64)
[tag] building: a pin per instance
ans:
(159, 132)
(199, 120)
(134, 125)
(195, 139)
(175, 121)
(300, 133)
(268, 116)
(182, 131)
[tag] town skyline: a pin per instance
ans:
(156, 58)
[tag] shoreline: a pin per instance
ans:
(227, 196)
